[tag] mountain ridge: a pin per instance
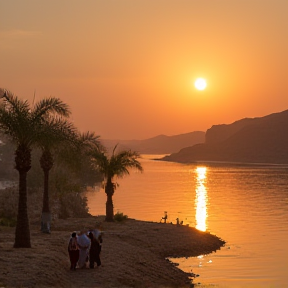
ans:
(160, 144)
(248, 140)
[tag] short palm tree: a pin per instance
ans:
(116, 165)
(23, 125)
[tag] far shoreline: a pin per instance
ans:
(226, 163)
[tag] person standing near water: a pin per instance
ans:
(73, 250)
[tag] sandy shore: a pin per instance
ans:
(133, 255)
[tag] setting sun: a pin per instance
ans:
(200, 84)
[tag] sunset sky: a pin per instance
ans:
(127, 67)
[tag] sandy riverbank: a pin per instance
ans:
(133, 255)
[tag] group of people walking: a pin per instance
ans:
(85, 247)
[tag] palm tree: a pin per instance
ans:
(22, 124)
(115, 165)
(57, 134)
(72, 149)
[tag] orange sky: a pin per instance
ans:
(127, 67)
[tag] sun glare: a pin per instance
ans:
(200, 84)
(201, 199)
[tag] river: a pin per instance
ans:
(245, 205)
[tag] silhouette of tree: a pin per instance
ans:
(116, 165)
(23, 125)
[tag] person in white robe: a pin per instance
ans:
(84, 245)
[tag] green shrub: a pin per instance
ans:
(120, 217)
(73, 205)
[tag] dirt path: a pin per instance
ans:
(133, 255)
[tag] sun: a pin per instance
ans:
(200, 84)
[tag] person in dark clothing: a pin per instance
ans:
(94, 252)
(100, 240)
(73, 250)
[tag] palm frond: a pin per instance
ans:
(118, 164)
(44, 122)
(89, 141)
(15, 119)
(15, 105)
(53, 131)
(50, 105)
(125, 160)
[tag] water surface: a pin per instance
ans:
(247, 206)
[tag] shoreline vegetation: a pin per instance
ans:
(134, 254)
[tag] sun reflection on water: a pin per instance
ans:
(201, 199)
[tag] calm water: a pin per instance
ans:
(246, 206)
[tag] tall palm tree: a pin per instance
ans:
(62, 138)
(22, 124)
(57, 134)
(116, 165)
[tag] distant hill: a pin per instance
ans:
(161, 144)
(249, 140)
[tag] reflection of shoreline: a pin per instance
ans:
(201, 199)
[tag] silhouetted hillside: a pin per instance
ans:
(250, 140)
(160, 144)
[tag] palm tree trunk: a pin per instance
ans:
(46, 163)
(109, 190)
(46, 215)
(109, 209)
(22, 233)
(22, 165)
(45, 207)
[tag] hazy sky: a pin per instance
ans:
(127, 67)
